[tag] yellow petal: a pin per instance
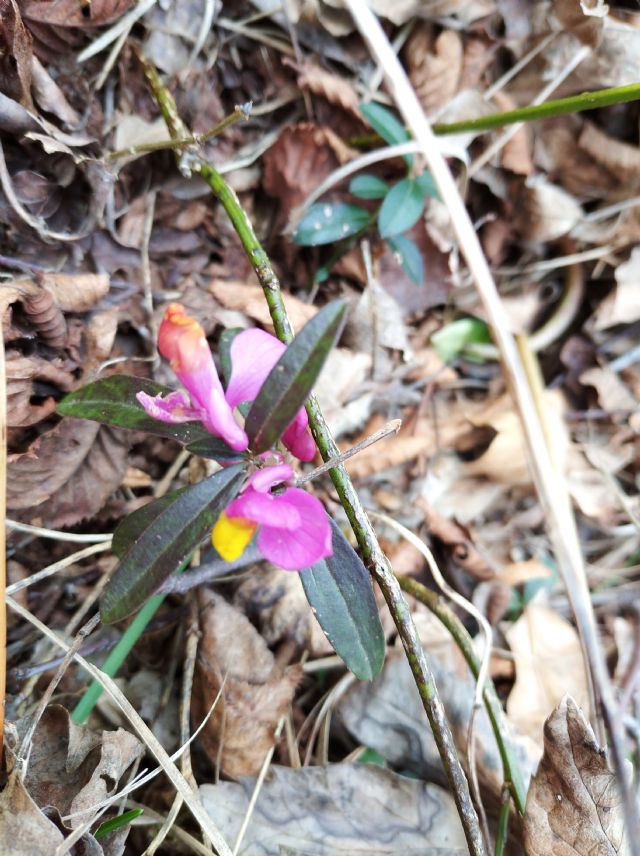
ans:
(231, 535)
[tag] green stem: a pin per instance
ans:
(512, 773)
(557, 107)
(83, 709)
(374, 557)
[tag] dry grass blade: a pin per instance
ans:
(551, 490)
(143, 731)
(50, 570)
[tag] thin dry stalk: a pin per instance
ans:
(552, 492)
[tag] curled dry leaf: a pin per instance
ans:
(434, 65)
(337, 90)
(340, 808)
(541, 639)
(256, 691)
(573, 806)
(72, 767)
(24, 829)
(457, 539)
(545, 211)
(23, 374)
(619, 158)
(74, 13)
(249, 299)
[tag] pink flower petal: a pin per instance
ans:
(182, 341)
(174, 408)
(263, 480)
(253, 354)
(298, 439)
(303, 546)
(266, 509)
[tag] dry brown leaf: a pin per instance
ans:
(302, 156)
(22, 374)
(613, 394)
(71, 292)
(517, 573)
(72, 767)
(516, 154)
(276, 603)
(574, 805)
(256, 691)
(337, 90)
(621, 159)
(504, 460)
(549, 664)
(622, 305)
(458, 540)
(591, 490)
(572, 16)
(24, 829)
(338, 808)
(435, 66)
(249, 299)
(401, 11)
(545, 212)
(15, 55)
(556, 152)
(75, 13)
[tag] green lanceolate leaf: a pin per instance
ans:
(290, 381)
(385, 123)
(452, 339)
(166, 541)
(401, 208)
(117, 822)
(112, 400)
(340, 592)
(133, 524)
(328, 222)
(409, 256)
(368, 187)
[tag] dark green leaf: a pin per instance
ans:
(224, 351)
(452, 339)
(327, 222)
(133, 524)
(166, 542)
(427, 185)
(340, 592)
(368, 187)
(290, 381)
(401, 208)
(117, 822)
(410, 257)
(112, 400)
(385, 123)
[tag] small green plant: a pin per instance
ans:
(401, 205)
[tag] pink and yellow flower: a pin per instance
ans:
(293, 528)
(253, 354)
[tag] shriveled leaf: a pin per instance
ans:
(290, 381)
(167, 541)
(112, 400)
(409, 256)
(401, 208)
(338, 808)
(387, 125)
(340, 592)
(368, 187)
(574, 806)
(327, 222)
(256, 690)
